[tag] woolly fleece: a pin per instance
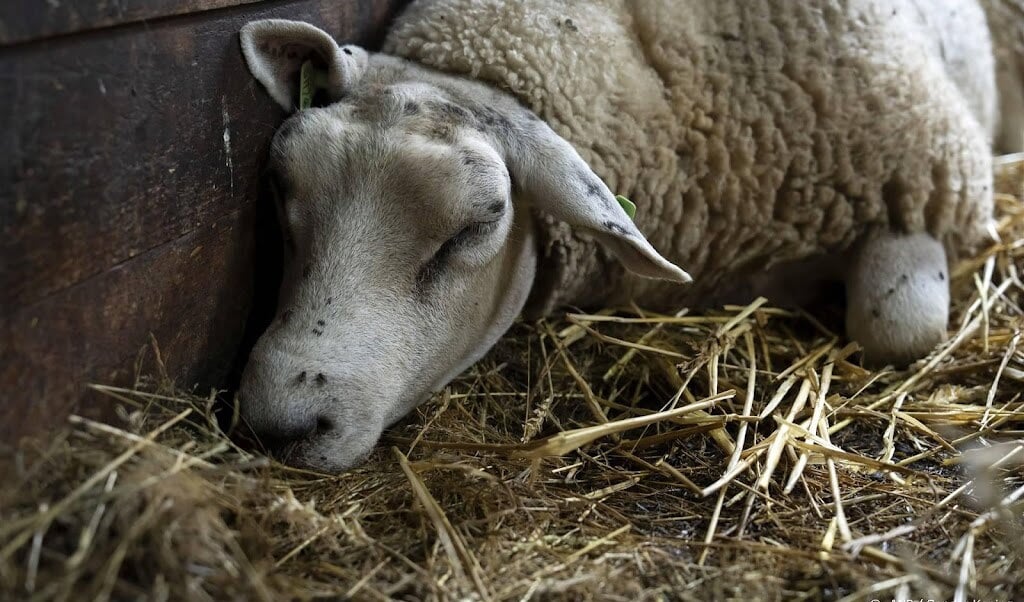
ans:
(749, 133)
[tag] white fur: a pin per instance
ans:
(373, 189)
(410, 163)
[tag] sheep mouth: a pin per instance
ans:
(319, 453)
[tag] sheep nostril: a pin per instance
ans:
(324, 425)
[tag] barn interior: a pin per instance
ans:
(140, 259)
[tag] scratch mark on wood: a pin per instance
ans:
(227, 139)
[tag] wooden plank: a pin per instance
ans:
(192, 294)
(27, 20)
(121, 140)
(131, 158)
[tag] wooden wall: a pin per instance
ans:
(131, 138)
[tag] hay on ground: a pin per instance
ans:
(738, 453)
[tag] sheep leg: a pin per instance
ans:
(897, 289)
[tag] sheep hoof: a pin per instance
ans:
(897, 297)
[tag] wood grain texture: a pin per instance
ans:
(130, 160)
(27, 20)
(120, 141)
(192, 295)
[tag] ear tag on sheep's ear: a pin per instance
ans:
(627, 205)
(311, 79)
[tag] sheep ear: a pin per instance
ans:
(275, 50)
(557, 181)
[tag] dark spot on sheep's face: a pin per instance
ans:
(320, 379)
(442, 132)
(301, 378)
(590, 185)
(616, 228)
(497, 208)
(449, 111)
(318, 332)
(329, 301)
(411, 108)
(875, 312)
(570, 25)
(490, 120)
(347, 51)
(320, 322)
(942, 276)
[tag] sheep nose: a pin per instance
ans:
(278, 437)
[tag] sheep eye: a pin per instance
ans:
(463, 238)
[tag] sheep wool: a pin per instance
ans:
(749, 133)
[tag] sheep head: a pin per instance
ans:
(406, 204)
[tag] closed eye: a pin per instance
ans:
(468, 234)
(465, 237)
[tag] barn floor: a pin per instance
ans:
(741, 453)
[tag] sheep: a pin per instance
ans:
(1006, 18)
(469, 173)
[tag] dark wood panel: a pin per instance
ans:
(25, 20)
(119, 141)
(130, 159)
(192, 294)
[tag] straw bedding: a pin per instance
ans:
(739, 453)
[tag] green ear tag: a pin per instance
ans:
(311, 79)
(627, 205)
(306, 88)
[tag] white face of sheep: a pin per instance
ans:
(409, 245)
